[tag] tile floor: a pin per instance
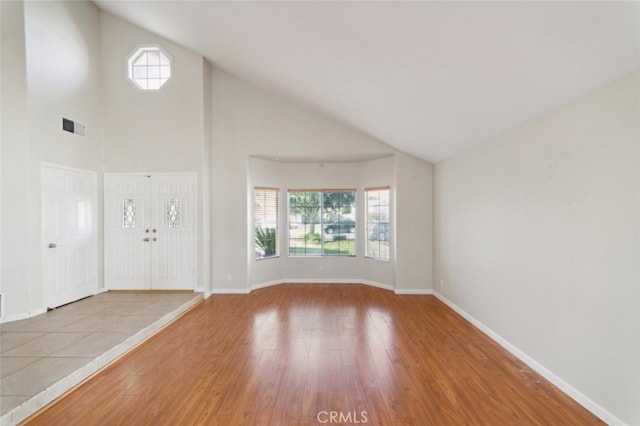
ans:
(43, 356)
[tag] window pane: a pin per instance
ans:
(128, 213)
(303, 224)
(149, 68)
(377, 205)
(153, 84)
(139, 72)
(141, 60)
(154, 72)
(153, 57)
(322, 223)
(173, 212)
(266, 222)
(165, 72)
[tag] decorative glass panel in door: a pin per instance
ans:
(127, 253)
(173, 215)
(150, 242)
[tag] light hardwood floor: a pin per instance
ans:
(299, 354)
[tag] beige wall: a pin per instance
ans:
(537, 238)
(14, 268)
(159, 131)
(414, 224)
(537, 231)
(314, 152)
(376, 173)
(164, 131)
(69, 59)
(59, 44)
(203, 120)
(204, 251)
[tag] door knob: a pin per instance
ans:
(146, 240)
(53, 245)
(155, 239)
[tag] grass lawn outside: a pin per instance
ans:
(331, 248)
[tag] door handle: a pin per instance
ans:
(53, 245)
(155, 239)
(146, 240)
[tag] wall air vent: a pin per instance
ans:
(74, 127)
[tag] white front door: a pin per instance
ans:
(69, 218)
(173, 236)
(127, 234)
(150, 231)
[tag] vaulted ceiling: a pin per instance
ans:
(429, 78)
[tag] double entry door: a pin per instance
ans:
(150, 231)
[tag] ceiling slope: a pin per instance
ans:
(429, 78)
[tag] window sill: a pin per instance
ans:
(267, 258)
(318, 256)
(378, 258)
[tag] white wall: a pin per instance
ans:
(319, 175)
(63, 79)
(204, 186)
(538, 239)
(414, 224)
(14, 267)
(161, 131)
(373, 174)
(265, 173)
(69, 59)
(248, 122)
(51, 69)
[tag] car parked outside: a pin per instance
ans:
(343, 226)
(379, 232)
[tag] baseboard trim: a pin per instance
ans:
(230, 291)
(321, 281)
(66, 384)
(23, 315)
(265, 285)
(414, 291)
(565, 387)
(377, 284)
(326, 281)
(39, 311)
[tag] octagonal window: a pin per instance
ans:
(149, 68)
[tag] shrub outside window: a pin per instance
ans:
(322, 222)
(266, 222)
(378, 226)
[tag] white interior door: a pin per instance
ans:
(150, 231)
(69, 217)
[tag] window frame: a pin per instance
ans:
(322, 223)
(276, 222)
(370, 224)
(133, 57)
